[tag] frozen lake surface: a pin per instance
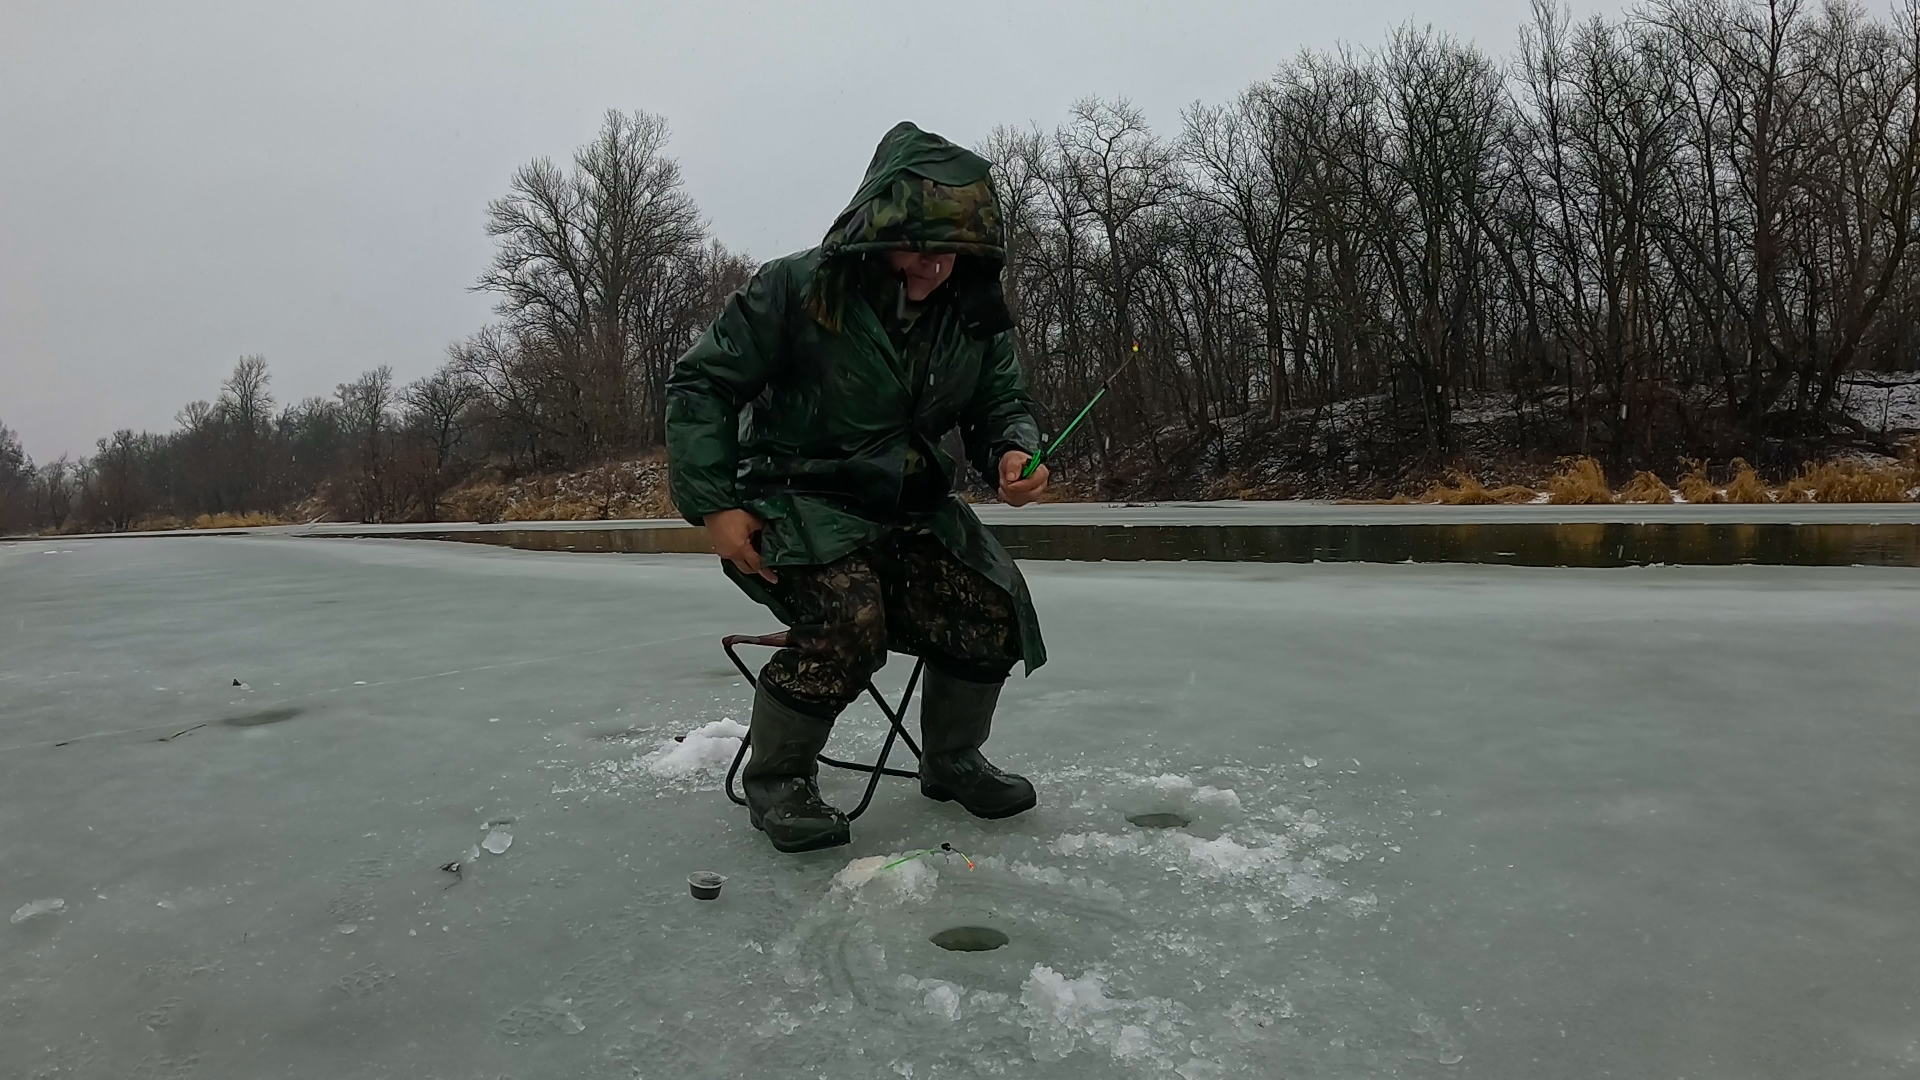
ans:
(1440, 821)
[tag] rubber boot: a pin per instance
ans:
(955, 718)
(783, 799)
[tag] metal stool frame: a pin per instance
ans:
(895, 721)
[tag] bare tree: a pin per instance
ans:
(16, 483)
(580, 252)
(367, 422)
(115, 488)
(244, 409)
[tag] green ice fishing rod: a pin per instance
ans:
(1052, 448)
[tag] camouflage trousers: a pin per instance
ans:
(908, 594)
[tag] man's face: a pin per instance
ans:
(923, 272)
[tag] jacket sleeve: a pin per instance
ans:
(999, 416)
(710, 384)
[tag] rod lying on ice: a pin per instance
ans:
(1053, 447)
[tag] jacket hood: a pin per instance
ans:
(921, 193)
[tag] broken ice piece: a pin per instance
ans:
(345, 928)
(497, 842)
(38, 907)
(1311, 763)
(473, 853)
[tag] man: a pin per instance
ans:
(803, 431)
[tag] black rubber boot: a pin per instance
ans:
(783, 799)
(955, 718)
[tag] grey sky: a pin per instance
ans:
(184, 183)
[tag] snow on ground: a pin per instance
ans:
(1884, 401)
(1301, 821)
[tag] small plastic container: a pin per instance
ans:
(705, 884)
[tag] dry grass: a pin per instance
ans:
(163, 523)
(1464, 490)
(477, 501)
(250, 520)
(1694, 485)
(1746, 485)
(556, 508)
(1852, 482)
(1580, 482)
(1645, 487)
(635, 488)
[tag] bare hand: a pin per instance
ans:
(732, 533)
(1015, 491)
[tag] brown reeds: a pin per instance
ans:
(1851, 481)
(1645, 487)
(249, 520)
(1694, 485)
(1465, 490)
(1580, 482)
(1746, 485)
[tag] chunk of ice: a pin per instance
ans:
(1062, 1014)
(944, 1001)
(707, 750)
(876, 880)
(38, 907)
(497, 842)
(1224, 798)
(1061, 1009)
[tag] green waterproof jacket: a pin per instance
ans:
(797, 405)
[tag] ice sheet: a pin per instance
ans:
(1637, 822)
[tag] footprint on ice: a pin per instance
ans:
(38, 907)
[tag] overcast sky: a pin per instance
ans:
(185, 183)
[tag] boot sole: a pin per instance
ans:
(940, 794)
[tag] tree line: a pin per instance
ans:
(603, 275)
(1662, 235)
(1667, 234)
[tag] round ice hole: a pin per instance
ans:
(969, 939)
(1160, 821)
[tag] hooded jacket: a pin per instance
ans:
(798, 405)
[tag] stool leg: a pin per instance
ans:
(895, 729)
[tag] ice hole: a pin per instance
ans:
(1160, 821)
(969, 939)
